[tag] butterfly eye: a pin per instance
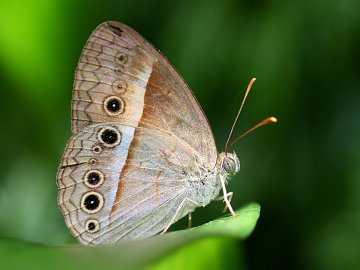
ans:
(92, 225)
(231, 164)
(114, 106)
(92, 202)
(93, 178)
(109, 136)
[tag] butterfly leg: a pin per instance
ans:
(221, 198)
(178, 213)
(227, 202)
(229, 196)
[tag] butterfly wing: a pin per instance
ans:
(143, 183)
(138, 135)
(117, 60)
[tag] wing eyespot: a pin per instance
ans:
(121, 58)
(92, 225)
(92, 202)
(119, 70)
(119, 86)
(97, 149)
(93, 178)
(109, 136)
(114, 106)
(92, 161)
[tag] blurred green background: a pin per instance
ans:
(304, 170)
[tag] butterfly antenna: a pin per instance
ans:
(237, 116)
(262, 123)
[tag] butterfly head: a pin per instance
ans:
(230, 164)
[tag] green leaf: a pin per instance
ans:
(130, 255)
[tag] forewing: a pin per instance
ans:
(117, 61)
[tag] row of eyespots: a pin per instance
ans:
(93, 201)
(115, 105)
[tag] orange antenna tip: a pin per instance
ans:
(262, 123)
(273, 119)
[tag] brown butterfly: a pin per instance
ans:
(142, 154)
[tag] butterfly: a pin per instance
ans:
(142, 154)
